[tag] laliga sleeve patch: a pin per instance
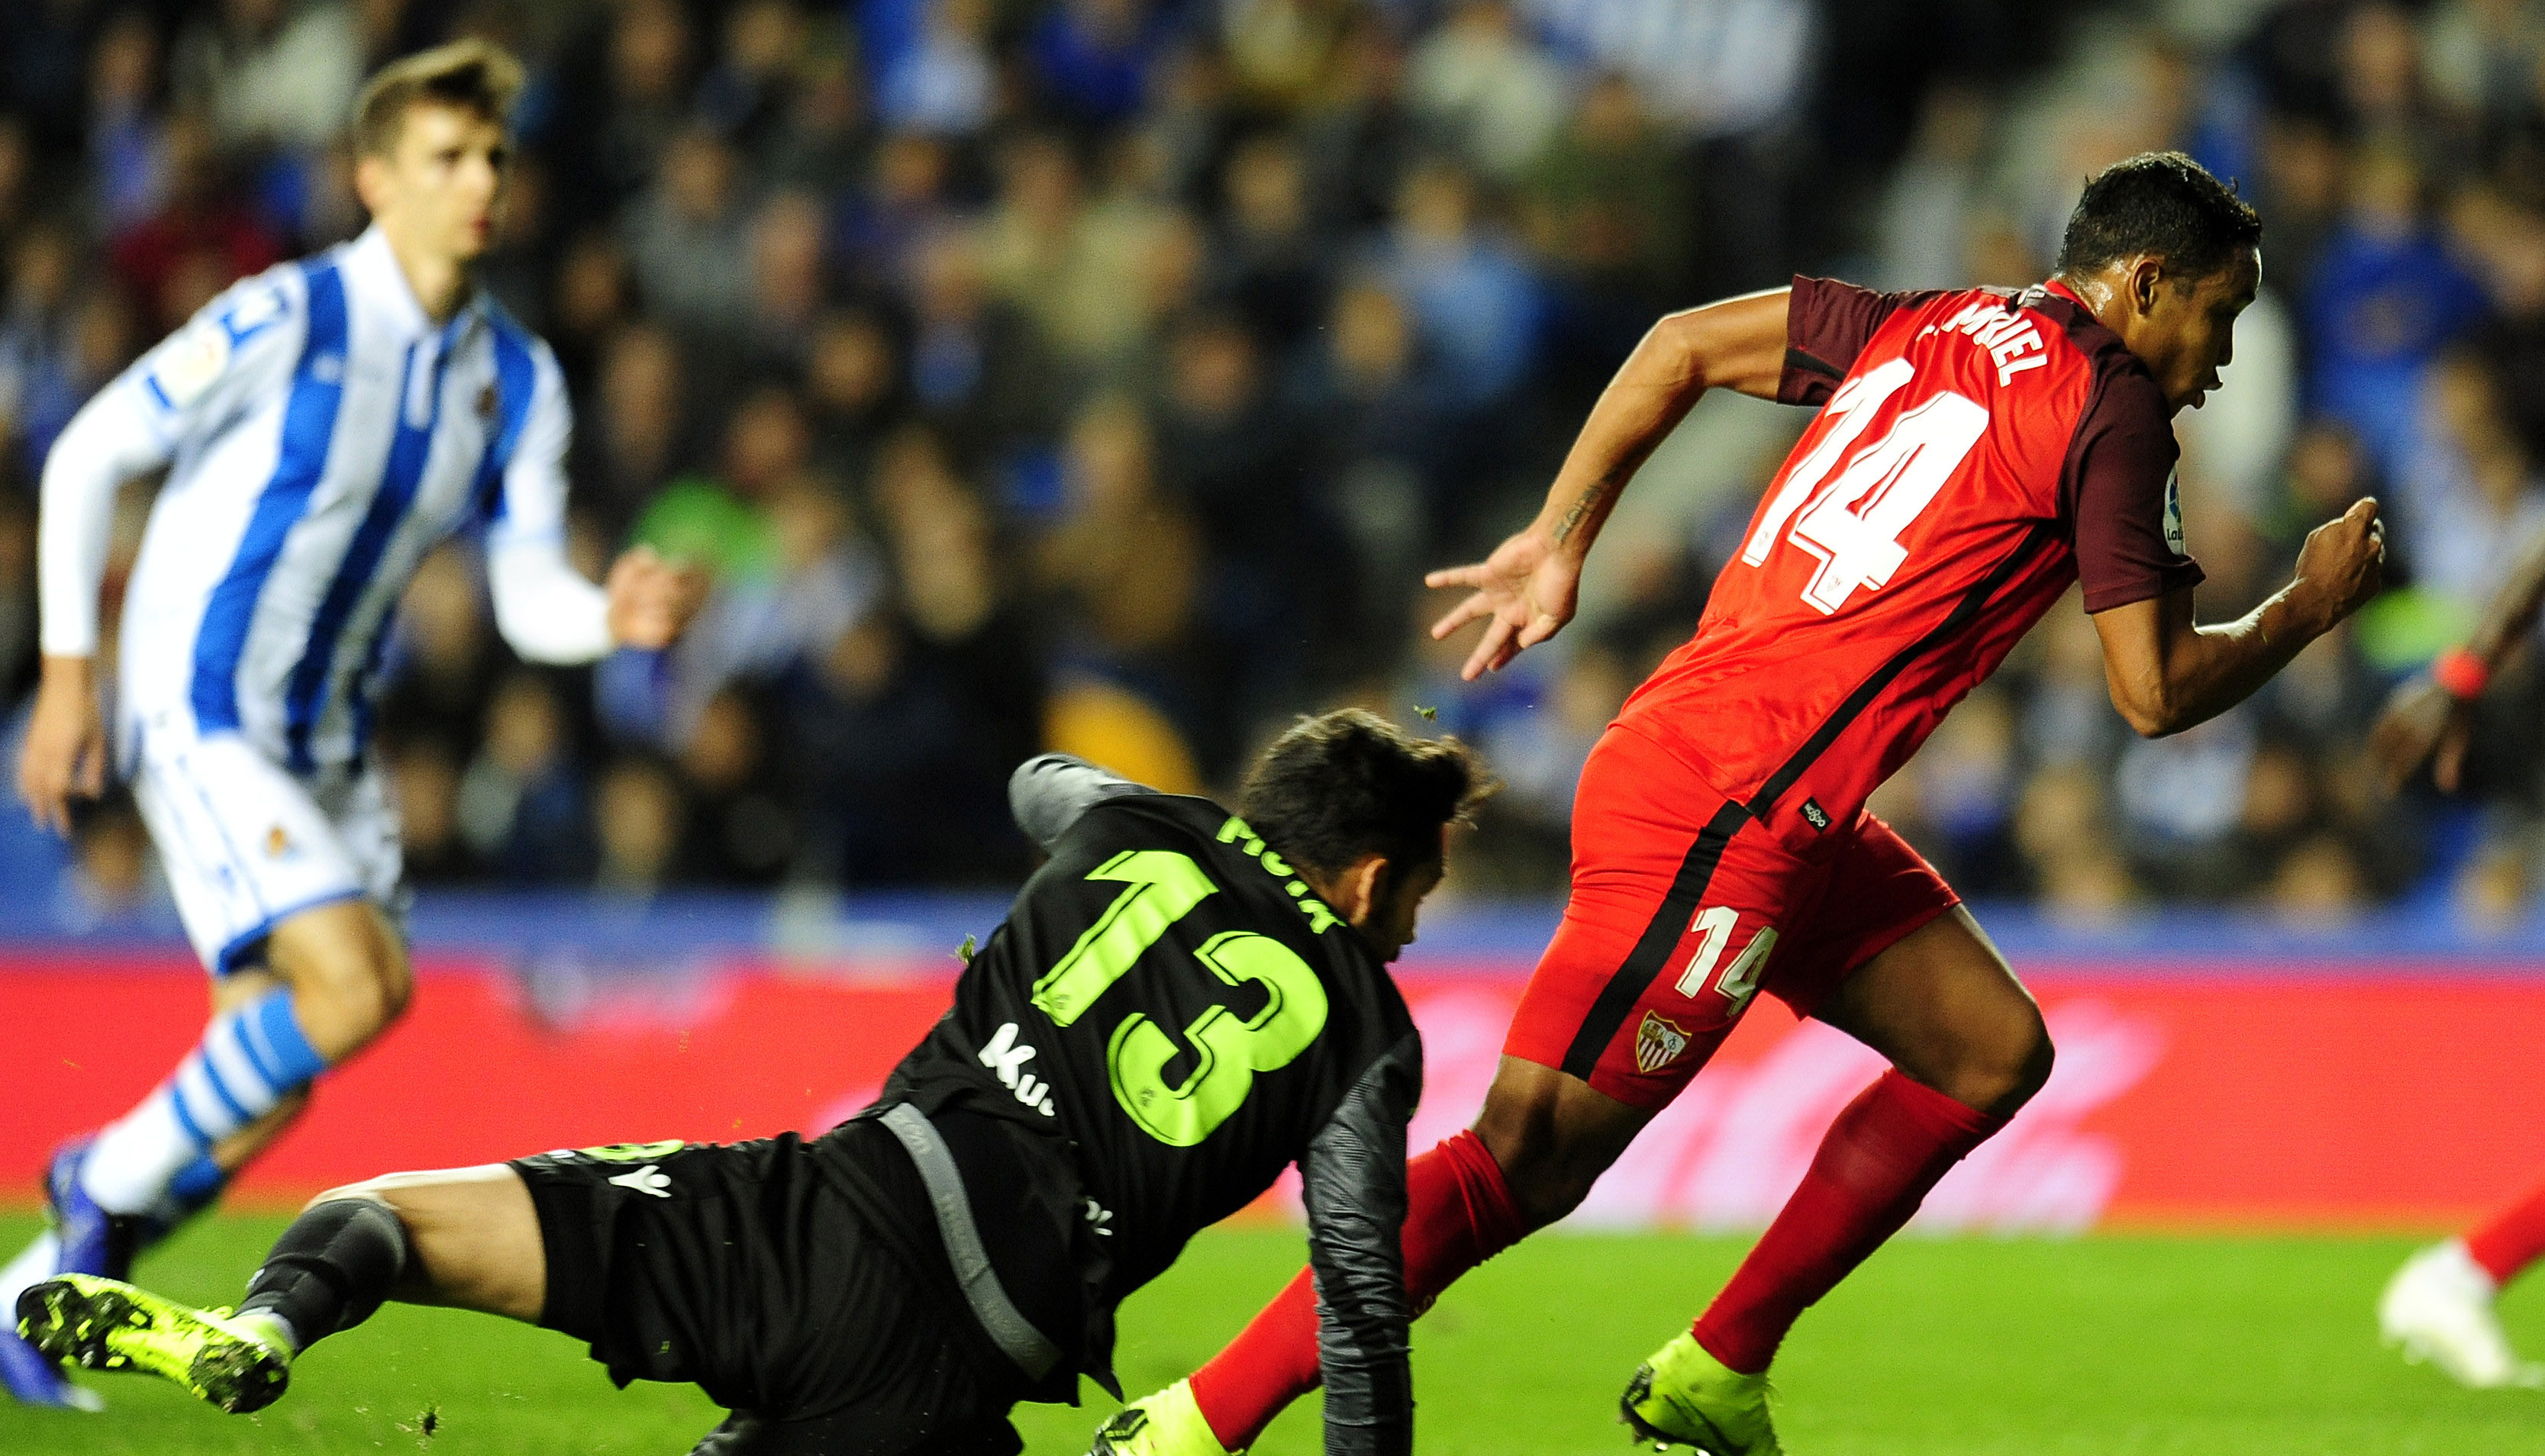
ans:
(2174, 516)
(189, 364)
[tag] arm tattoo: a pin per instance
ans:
(1593, 501)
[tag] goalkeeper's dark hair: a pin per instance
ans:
(2163, 204)
(1342, 784)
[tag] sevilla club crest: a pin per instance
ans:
(1658, 1043)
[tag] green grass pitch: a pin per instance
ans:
(1975, 1348)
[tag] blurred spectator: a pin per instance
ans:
(720, 521)
(1376, 422)
(428, 798)
(127, 136)
(1070, 267)
(900, 735)
(788, 278)
(744, 96)
(979, 367)
(1092, 57)
(823, 138)
(628, 443)
(270, 73)
(2385, 298)
(1928, 210)
(1271, 263)
(637, 813)
(1484, 91)
(1279, 51)
(2472, 497)
(854, 389)
(203, 238)
(690, 234)
(739, 831)
(441, 659)
(942, 84)
(1104, 373)
(1472, 294)
(521, 805)
(643, 104)
(1607, 212)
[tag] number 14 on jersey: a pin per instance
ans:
(1854, 526)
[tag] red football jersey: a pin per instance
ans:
(1975, 452)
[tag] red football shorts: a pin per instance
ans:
(1682, 911)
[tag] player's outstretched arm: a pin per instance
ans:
(1352, 1181)
(1049, 792)
(2430, 718)
(544, 607)
(2167, 673)
(1524, 592)
(110, 440)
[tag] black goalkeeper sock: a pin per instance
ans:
(330, 1270)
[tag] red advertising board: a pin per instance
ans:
(2233, 1097)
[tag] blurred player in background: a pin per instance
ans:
(2438, 1307)
(1047, 1148)
(1976, 452)
(324, 425)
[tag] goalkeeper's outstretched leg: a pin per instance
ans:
(466, 1238)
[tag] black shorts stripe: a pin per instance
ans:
(1652, 951)
(1956, 623)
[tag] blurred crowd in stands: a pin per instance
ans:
(1102, 374)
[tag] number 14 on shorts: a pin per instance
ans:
(1737, 982)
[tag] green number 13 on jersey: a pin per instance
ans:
(1162, 888)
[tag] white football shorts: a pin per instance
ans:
(247, 844)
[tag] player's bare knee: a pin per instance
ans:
(366, 1191)
(349, 990)
(2002, 1075)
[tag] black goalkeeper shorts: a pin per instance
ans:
(737, 1268)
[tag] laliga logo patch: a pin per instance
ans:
(189, 364)
(2173, 517)
(1658, 1043)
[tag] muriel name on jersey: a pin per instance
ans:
(2001, 328)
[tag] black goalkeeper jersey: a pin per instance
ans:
(1166, 1019)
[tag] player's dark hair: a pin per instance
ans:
(2163, 204)
(1347, 784)
(471, 74)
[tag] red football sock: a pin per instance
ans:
(2510, 1240)
(1873, 1169)
(1458, 1213)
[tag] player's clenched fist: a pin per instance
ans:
(65, 752)
(651, 600)
(2344, 561)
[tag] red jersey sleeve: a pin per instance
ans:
(1827, 325)
(2119, 491)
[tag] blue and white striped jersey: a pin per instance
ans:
(322, 434)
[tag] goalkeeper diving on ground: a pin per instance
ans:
(1181, 1003)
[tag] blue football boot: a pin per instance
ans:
(94, 1241)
